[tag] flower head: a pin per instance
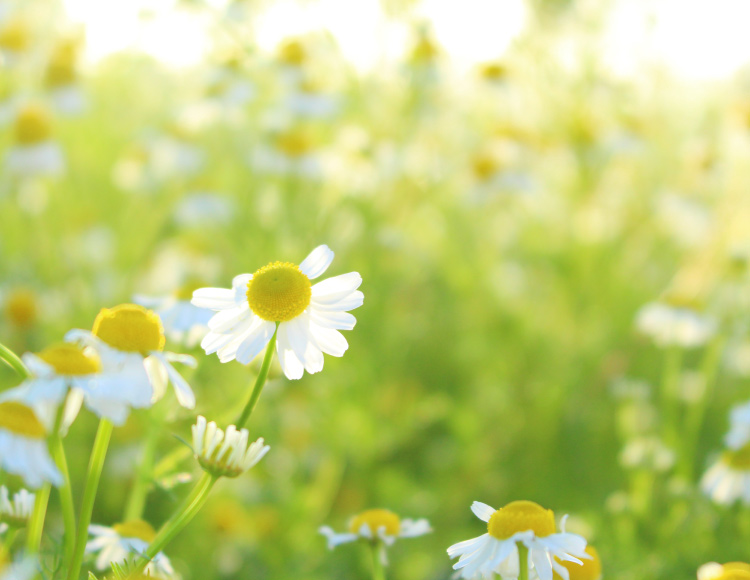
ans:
(183, 322)
(519, 521)
(124, 540)
(21, 307)
(16, 512)
(34, 151)
(281, 298)
(225, 454)
(728, 479)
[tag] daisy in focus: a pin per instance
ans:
(125, 541)
(729, 571)
(34, 152)
(519, 522)
(130, 340)
(379, 526)
(16, 512)
(225, 454)
(279, 300)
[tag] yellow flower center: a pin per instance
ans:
(20, 308)
(33, 125)
(279, 292)
(735, 571)
(60, 73)
(493, 71)
(135, 529)
(294, 143)
(20, 419)
(591, 569)
(14, 36)
(485, 166)
(520, 516)
(71, 359)
(738, 459)
(293, 53)
(131, 328)
(376, 519)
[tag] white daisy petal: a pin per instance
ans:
(334, 289)
(213, 298)
(482, 511)
(255, 341)
(317, 262)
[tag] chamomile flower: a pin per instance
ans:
(17, 511)
(183, 322)
(728, 479)
(729, 571)
(293, 151)
(591, 569)
(281, 298)
(225, 453)
(15, 39)
(122, 542)
(62, 81)
(668, 325)
(377, 525)
(526, 522)
(34, 152)
(21, 307)
(23, 444)
(130, 339)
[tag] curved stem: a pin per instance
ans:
(36, 523)
(96, 463)
(66, 502)
(523, 561)
(13, 361)
(259, 382)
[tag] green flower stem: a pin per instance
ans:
(36, 523)
(523, 561)
(96, 463)
(670, 392)
(378, 570)
(142, 483)
(66, 501)
(189, 508)
(13, 361)
(259, 382)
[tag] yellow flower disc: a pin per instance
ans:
(21, 308)
(60, 73)
(485, 166)
(520, 516)
(376, 519)
(738, 459)
(131, 328)
(33, 125)
(15, 36)
(591, 569)
(71, 359)
(292, 52)
(21, 420)
(294, 143)
(135, 529)
(279, 292)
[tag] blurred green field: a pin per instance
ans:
(507, 231)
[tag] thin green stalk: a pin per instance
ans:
(66, 502)
(96, 463)
(259, 382)
(523, 561)
(378, 569)
(142, 483)
(13, 361)
(670, 392)
(36, 523)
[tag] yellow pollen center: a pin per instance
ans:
(279, 292)
(135, 529)
(71, 359)
(738, 459)
(20, 419)
(493, 71)
(735, 571)
(15, 36)
(131, 328)
(20, 308)
(376, 519)
(591, 569)
(60, 73)
(520, 516)
(33, 125)
(293, 53)
(485, 166)
(294, 143)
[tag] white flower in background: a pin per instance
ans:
(204, 209)
(34, 152)
(293, 152)
(130, 340)
(728, 479)
(183, 322)
(496, 552)
(729, 571)
(17, 511)
(377, 525)
(62, 82)
(225, 454)
(688, 222)
(739, 427)
(24, 569)
(126, 541)
(281, 294)
(23, 444)
(15, 39)
(647, 452)
(307, 100)
(672, 326)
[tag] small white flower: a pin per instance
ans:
(377, 525)
(125, 541)
(739, 427)
(308, 316)
(671, 326)
(728, 479)
(204, 209)
(16, 512)
(526, 522)
(183, 322)
(34, 152)
(68, 99)
(225, 454)
(130, 340)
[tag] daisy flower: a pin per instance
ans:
(15, 39)
(281, 298)
(591, 569)
(525, 522)
(672, 326)
(130, 339)
(739, 427)
(728, 479)
(729, 571)
(16, 512)
(23, 444)
(225, 454)
(122, 542)
(34, 152)
(293, 152)
(377, 525)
